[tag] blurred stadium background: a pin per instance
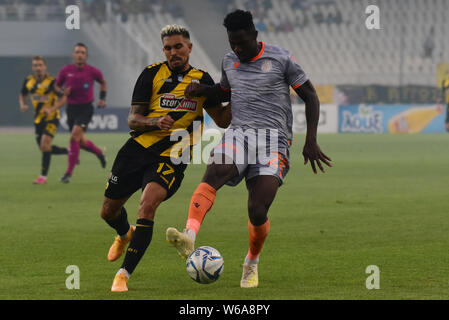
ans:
(402, 64)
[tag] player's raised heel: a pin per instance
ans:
(120, 283)
(250, 278)
(119, 245)
(181, 241)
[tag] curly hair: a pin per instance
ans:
(238, 20)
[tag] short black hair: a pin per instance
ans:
(80, 44)
(39, 58)
(239, 20)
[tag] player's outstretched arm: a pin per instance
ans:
(221, 115)
(311, 150)
(198, 90)
(138, 121)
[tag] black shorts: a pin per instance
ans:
(79, 114)
(48, 128)
(134, 167)
(447, 112)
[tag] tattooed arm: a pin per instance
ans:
(137, 121)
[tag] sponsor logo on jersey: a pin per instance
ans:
(170, 101)
(266, 66)
(39, 98)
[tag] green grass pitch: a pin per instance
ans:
(384, 203)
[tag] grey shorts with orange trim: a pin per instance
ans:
(254, 152)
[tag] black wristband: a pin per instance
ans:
(102, 95)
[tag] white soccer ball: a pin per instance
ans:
(205, 265)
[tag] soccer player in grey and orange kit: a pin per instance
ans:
(79, 78)
(256, 78)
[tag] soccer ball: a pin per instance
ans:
(205, 264)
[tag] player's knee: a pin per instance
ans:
(45, 147)
(147, 208)
(108, 211)
(258, 220)
(105, 214)
(75, 137)
(257, 213)
(152, 196)
(218, 174)
(45, 143)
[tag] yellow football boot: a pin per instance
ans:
(119, 245)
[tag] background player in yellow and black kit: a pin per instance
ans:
(46, 103)
(158, 108)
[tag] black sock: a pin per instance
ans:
(120, 224)
(58, 150)
(46, 156)
(139, 243)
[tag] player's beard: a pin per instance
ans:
(179, 68)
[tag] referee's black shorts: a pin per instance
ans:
(79, 114)
(135, 167)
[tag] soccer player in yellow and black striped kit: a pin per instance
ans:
(146, 161)
(46, 103)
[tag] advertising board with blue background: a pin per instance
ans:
(357, 118)
(363, 118)
(115, 120)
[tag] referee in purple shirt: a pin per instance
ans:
(79, 79)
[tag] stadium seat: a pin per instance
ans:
(351, 49)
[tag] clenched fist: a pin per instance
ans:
(165, 122)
